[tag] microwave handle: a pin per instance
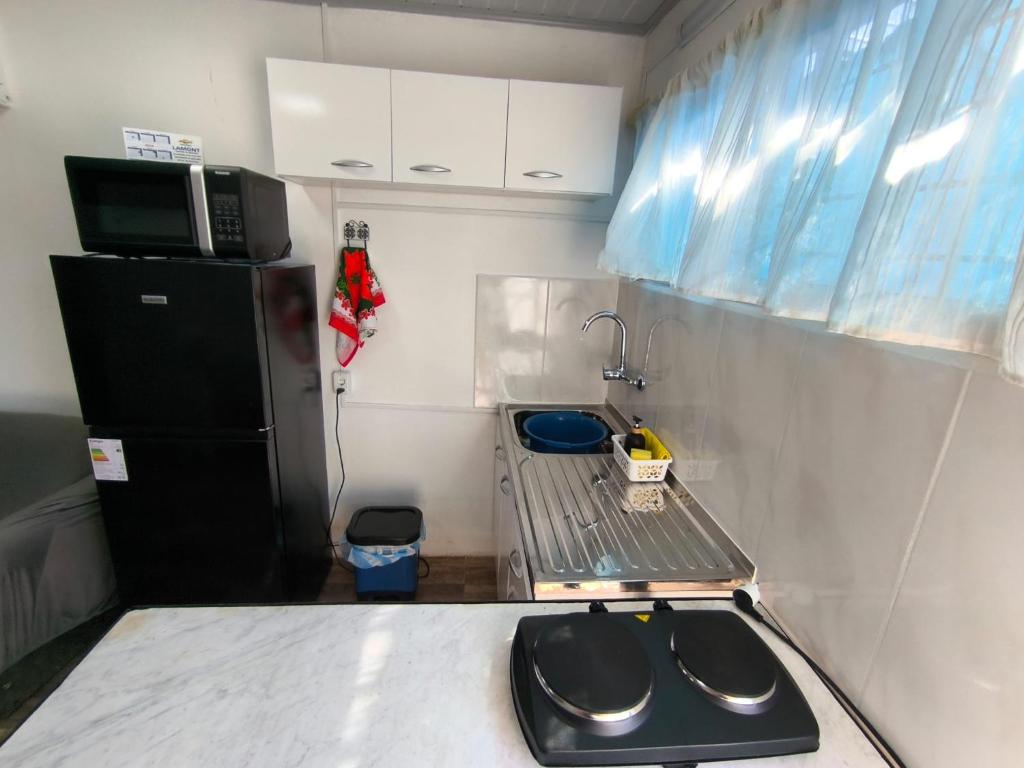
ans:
(201, 209)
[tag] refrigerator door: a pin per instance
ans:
(293, 354)
(197, 521)
(165, 344)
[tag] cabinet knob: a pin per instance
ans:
(506, 486)
(430, 168)
(352, 164)
(516, 569)
(543, 175)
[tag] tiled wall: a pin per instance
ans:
(880, 494)
(529, 348)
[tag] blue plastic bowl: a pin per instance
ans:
(564, 432)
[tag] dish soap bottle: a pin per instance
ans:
(635, 438)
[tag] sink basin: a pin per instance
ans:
(563, 431)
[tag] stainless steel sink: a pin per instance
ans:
(588, 532)
(520, 416)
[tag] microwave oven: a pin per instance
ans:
(147, 208)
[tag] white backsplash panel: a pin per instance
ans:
(876, 488)
(529, 348)
(955, 636)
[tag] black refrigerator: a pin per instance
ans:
(200, 385)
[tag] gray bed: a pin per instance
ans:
(55, 569)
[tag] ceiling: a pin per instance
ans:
(634, 17)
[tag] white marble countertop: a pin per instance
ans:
(338, 686)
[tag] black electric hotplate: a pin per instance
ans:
(668, 687)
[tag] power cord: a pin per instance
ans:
(747, 603)
(344, 476)
(337, 497)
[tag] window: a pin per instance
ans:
(858, 163)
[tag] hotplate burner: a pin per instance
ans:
(593, 669)
(606, 689)
(718, 653)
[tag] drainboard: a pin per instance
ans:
(587, 527)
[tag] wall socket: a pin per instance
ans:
(341, 381)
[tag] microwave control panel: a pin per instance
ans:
(226, 218)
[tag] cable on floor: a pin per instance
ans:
(344, 476)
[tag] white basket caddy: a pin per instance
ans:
(638, 471)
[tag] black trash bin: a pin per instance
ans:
(376, 534)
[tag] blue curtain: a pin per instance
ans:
(858, 163)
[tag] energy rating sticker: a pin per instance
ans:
(108, 460)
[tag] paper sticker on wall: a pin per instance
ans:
(108, 460)
(147, 144)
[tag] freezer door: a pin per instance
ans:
(197, 521)
(161, 344)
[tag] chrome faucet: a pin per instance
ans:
(620, 373)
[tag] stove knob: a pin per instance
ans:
(598, 607)
(662, 605)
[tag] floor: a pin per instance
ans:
(451, 580)
(26, 685)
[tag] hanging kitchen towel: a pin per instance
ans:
(356, 298)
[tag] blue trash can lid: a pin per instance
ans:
(385, 526)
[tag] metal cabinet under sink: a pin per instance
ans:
(513, 577)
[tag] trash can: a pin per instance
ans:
(384, 549)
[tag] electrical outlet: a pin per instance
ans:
(341, 381)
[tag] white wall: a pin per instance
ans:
(878, 493)
(428, 445)
(81, 71)
(664, 57)
(877, 488)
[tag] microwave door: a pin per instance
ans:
(137, 207)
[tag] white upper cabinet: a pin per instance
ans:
(336, 122)
(448, 129)
(330, 121)
(562, 137)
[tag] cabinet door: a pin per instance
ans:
(330, 121)
(513, 577)
(499, 474)
(448, 129)
(562, 137)
(502, 532)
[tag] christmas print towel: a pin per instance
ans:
(354, 310)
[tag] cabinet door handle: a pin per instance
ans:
(352, 164)
(506, 486)
(543, 175)
(516, 569)
(430, 168)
